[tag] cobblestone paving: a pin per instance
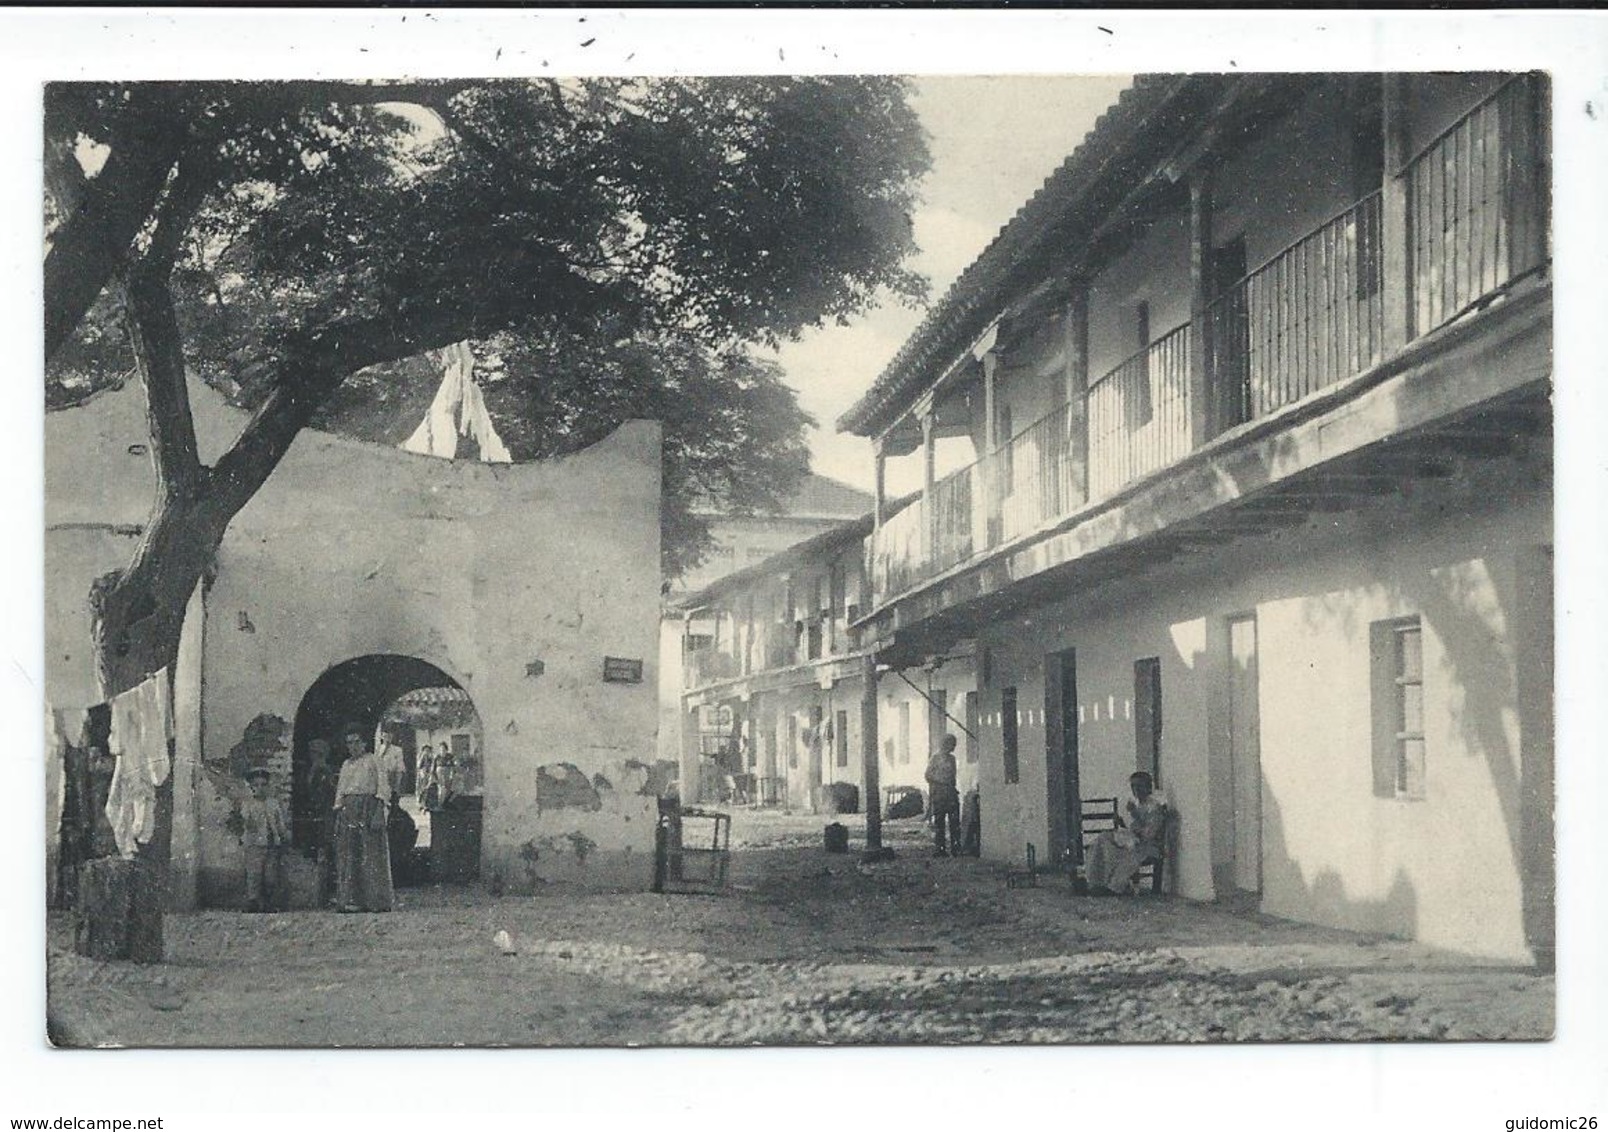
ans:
(804, 948)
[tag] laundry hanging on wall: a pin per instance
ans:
(142, 727)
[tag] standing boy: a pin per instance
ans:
(264, 833)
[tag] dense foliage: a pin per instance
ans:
(610, 245)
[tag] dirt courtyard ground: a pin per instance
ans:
(804, 947)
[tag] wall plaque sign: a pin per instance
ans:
(622, 670)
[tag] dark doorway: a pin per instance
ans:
(398, 692)
(1147, 717)
(1061, 755)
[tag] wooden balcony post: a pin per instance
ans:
(879, 512)
(1077, 390)
(929, 532)
(993, 489)
(1395, 231)
(871, 771)
(691, 754)
(990, 408)
(1202, 414)
(1539, 85)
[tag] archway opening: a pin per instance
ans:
(406, 705)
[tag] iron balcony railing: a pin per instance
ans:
(955, 506)
(1037, 473)
(1476, 206)
(705, 666)
(1307, 319)
(1139, 415)
(898, 555)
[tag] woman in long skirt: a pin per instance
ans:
(1116, 856)
(362, 857)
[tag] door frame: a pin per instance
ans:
(1233, 761)
(1061, 757)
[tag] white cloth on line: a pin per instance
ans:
(64, 728)
(142, 725)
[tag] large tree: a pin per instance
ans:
(611, 242)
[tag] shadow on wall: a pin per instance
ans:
(1488, 604)
(1493, 620)
(1477, 625)
(1491, 610)
(1396, 913)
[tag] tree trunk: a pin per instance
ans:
(138, 618)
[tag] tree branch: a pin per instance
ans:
(153, 327)
(153, 333)
(311, 364)
(459, 126)
(151, 134)
(422, 92)
(92, 242)
(197, 176)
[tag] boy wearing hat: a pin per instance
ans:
(264, 833)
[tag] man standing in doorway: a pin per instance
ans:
(943, 797)
(391, 758)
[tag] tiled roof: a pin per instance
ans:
(783, 560)
(816, 497)
(970, 303)
(434, 696)
(823, 496)
(824, 543)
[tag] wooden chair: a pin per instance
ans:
(1026, 878)
(1102, 815)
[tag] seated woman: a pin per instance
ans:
(1115, 857)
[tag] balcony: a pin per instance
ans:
(1310, 318)
(707, 665)
(1139, 415)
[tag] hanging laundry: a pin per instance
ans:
(64, 728)
(459, 409)
(142, 725)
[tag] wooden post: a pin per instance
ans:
(879, 512)
(1395, 230)
(1539, 85)
(990, 408)
(1076, 332)
(993, 489)
(1202, 411)
(692, 784)
(928, 462)
(871, 770)
(145, 933)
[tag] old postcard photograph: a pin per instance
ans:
(804, 553)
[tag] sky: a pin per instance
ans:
(994, 139)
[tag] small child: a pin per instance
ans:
(265, 831)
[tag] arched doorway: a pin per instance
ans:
(409, 703)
